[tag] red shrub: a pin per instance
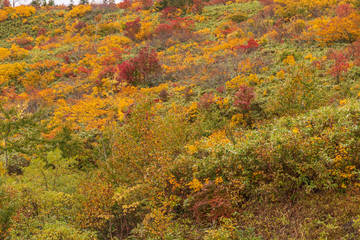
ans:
(139, 68)
(79, 26)
(41, 31)
(252, 45)
(84, 70)
(178, 28)
(344, 10)
(198, 6)
(211, 203)
(206, 101)
(23, 41)
(107, 72)
(125, 4)
(164, 29)
(243, 97)
(353, 52)
(266, 2)
(66, 59)
(341, 65)
(168, 13)
(6, 3)
(132, 28)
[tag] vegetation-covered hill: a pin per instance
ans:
(181, 119)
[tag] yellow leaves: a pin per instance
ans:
(130, 208)
(246, 66)
(22, 11)
(295, 130)
(58, 32)
(310, 57)
(328, 31)
(90, 112)
(195, 185)
(215, 139)
(3, 15)
(11, 71)
(146, 29)
(18, 52)
(299, 25)
(218, 180)
(191, 149)
(31, 78)
(289, 8)
(199, 18)
(123, 196)
(179, 88)
(237, 119)
(192, 109)
(25, 11)
(123, 103)
(343, 102)
(280, 74)
(173, 182)
(234, 83)
(114, 41)
(222, 102)
(4, 54)
(290, 60)
(108, 27)
(155, 90)
(79, 11)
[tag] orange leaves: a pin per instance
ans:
(3, 15)
(22, 11)
(4, 54)
(10, 72)
(89, 113)
(328, 31)
(79, 11)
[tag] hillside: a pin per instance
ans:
(181, 119)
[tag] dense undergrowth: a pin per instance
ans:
(180, 120)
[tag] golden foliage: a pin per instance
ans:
(79, 11)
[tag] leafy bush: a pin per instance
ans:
(3, 15)
(243, 97)
(132, 28)
(211, 203)
(79, 11)
(139, 69)
(238, 17)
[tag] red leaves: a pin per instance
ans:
(125, 4)
(353, 51)
(243, 97)
(266, 2)
(41, 32)
(137, 69)
(341, 65)
(206, 101)
(132, 28)
(252, 45)
(211, 203)
(344, 10)
(168, 12)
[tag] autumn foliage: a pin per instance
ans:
(180, 119)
